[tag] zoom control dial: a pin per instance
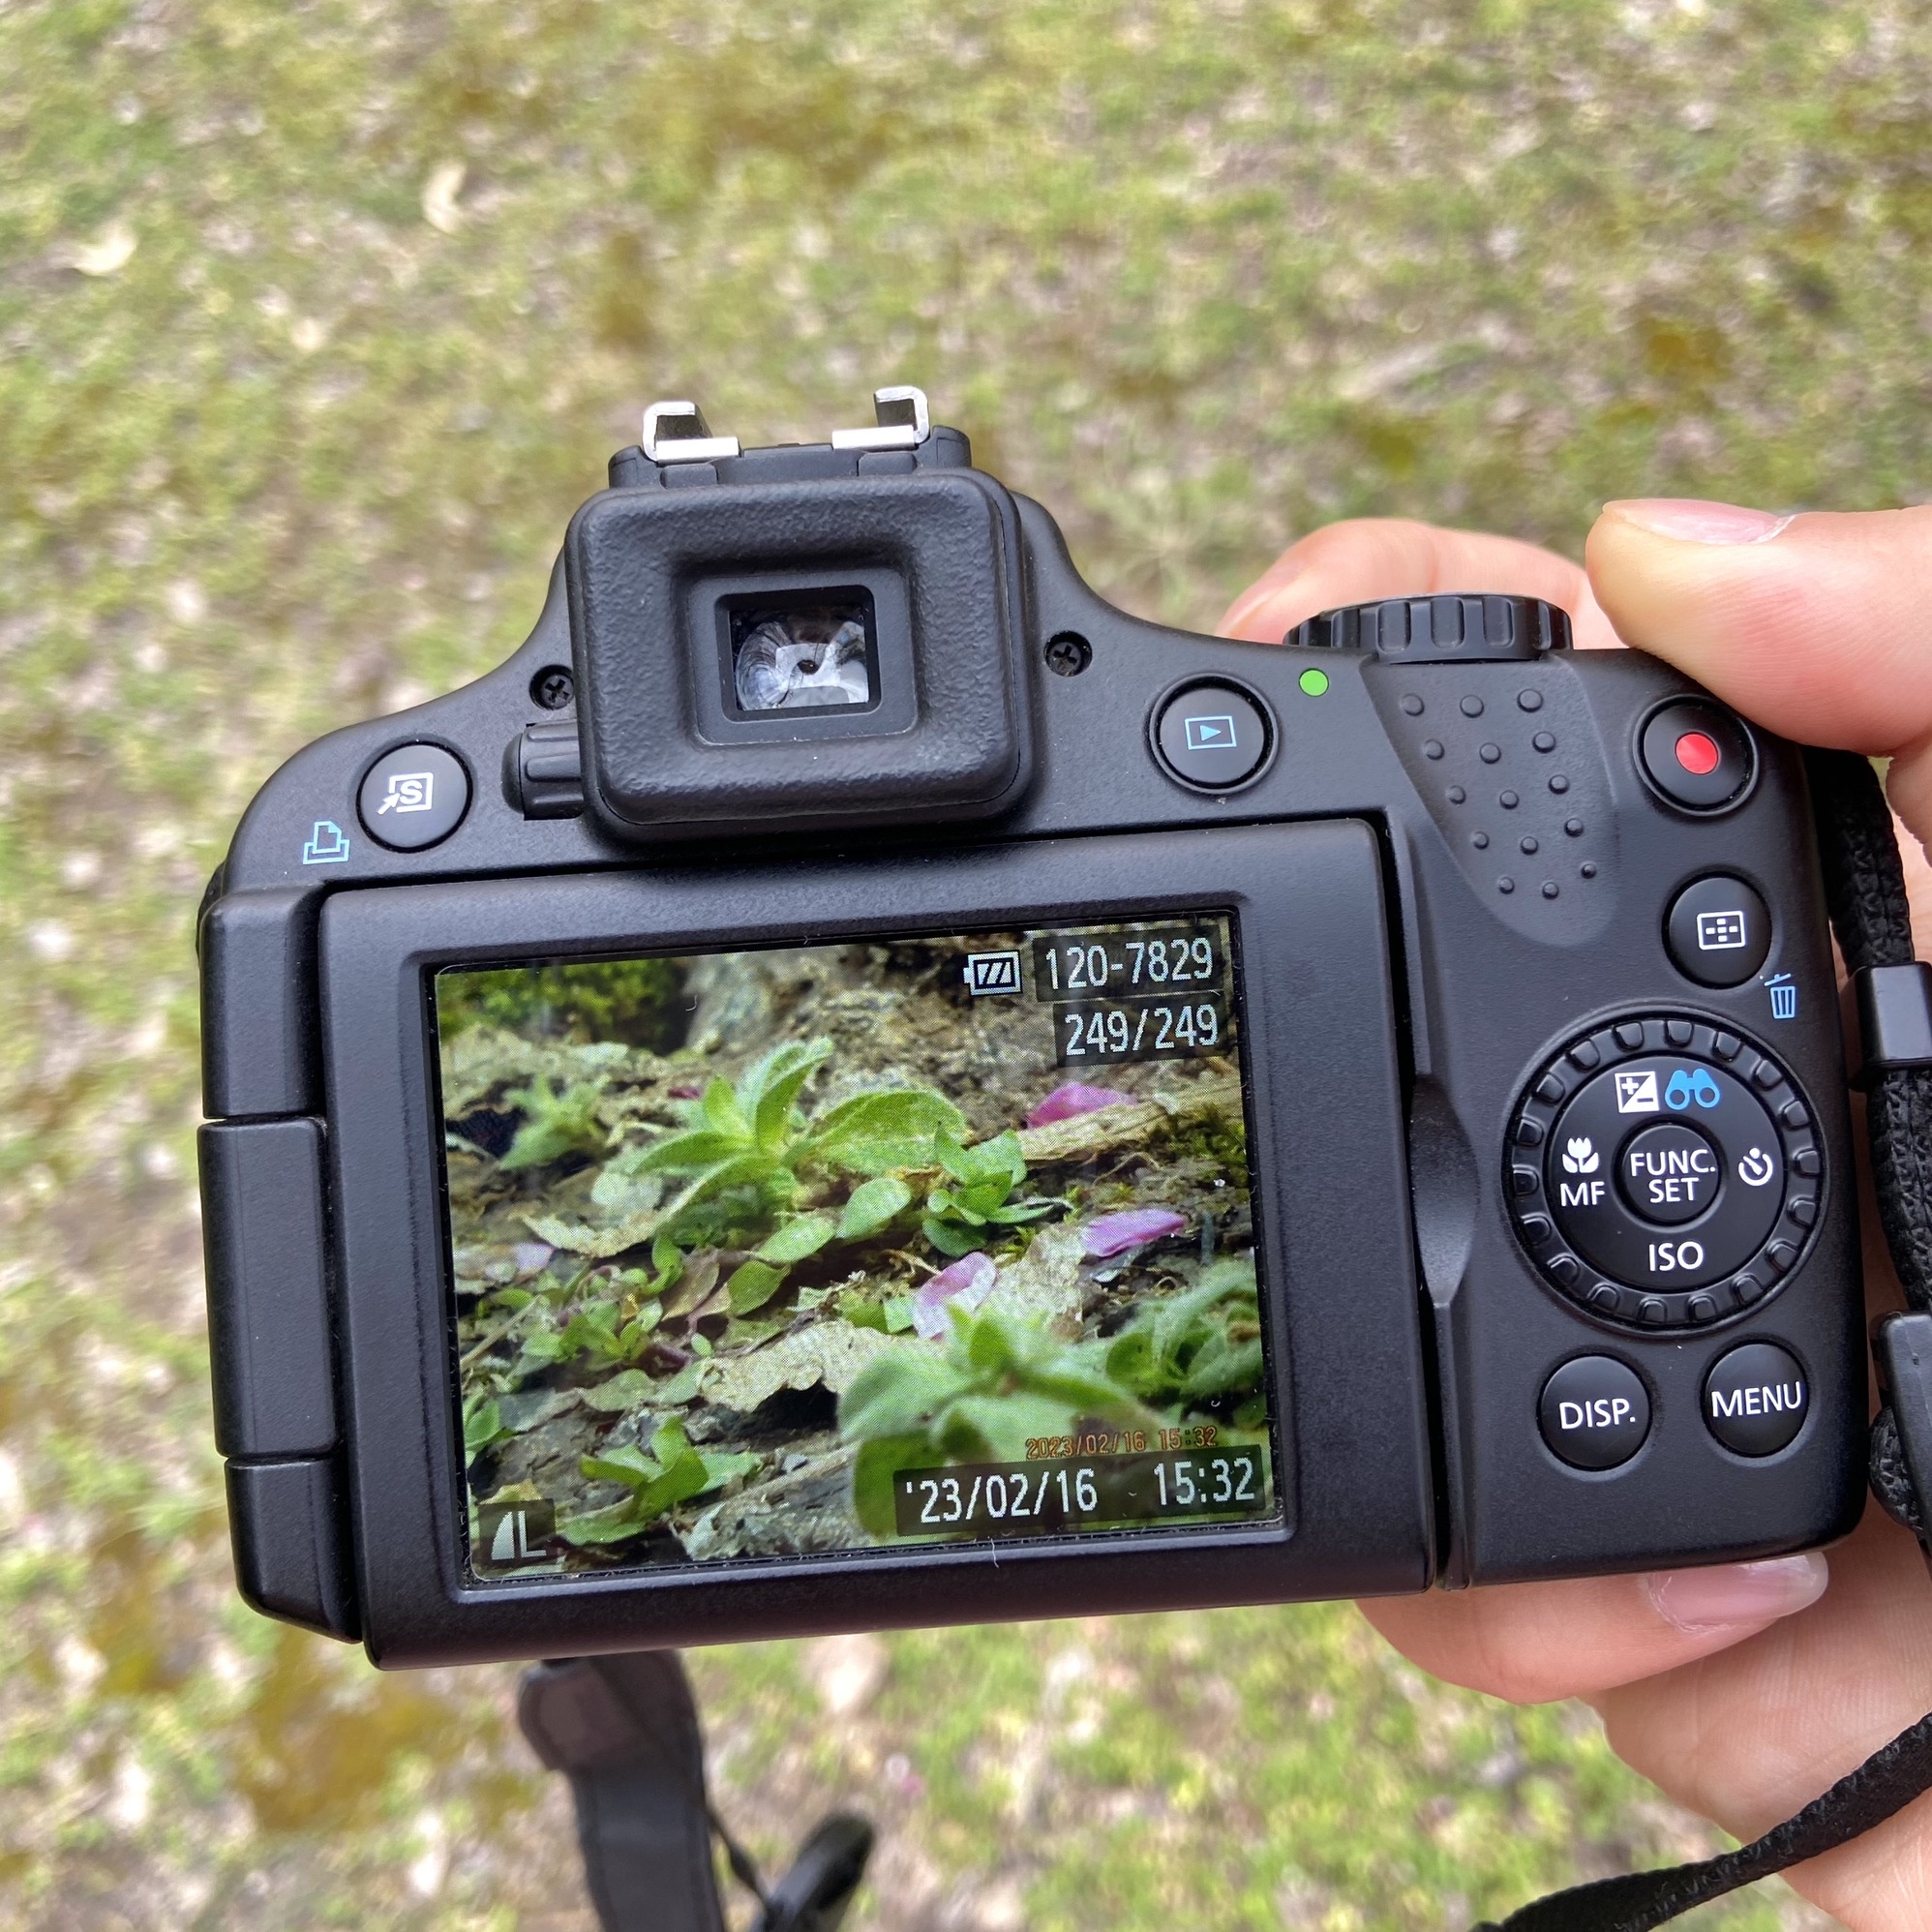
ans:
(1663, 1172)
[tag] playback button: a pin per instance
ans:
(1213, 736)
(1594, 1414)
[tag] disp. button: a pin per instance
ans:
(1594, 1414)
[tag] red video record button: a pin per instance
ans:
(1698, 753)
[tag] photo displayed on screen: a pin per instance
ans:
(771, 1254)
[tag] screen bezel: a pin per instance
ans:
(1347, 1365)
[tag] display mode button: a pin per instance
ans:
(1718, 932)
(1756, 1399)
(1594, 1414)
(1668, 1173)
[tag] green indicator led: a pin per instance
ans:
(1314, 682)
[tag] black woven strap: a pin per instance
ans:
(1887, 1782)
(1864, 892)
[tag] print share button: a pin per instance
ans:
(1213, 736)
(413, 797)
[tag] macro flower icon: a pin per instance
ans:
(1580, 1157)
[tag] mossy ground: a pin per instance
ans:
(319, 319)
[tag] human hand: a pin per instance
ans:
(1743, 1690)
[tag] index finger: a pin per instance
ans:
(1366, 557)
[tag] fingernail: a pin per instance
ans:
(1258, 593)
(1696, 521)
(1700, 1601)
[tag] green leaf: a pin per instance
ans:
(991, 1346)
(952, 1157)
(631, 1389)
(898, 1314)
(687, 1477)
(721, 1111)
(878, 1461)
(721, 1469)
(1020, 1213)
(895, 1394)
(482, 1428)
(768, 1091)
(870, 1314)
(999, 1427)
(873, 1204)
(627, 1464)
(752, 1285)
(690, 1151)
(952, 1241)
(804, 1234)
(996, 1163)
(872, 1133)
(554, 1124)
(617, 1523)
(682, 1387)
(1232, 1365)
(741, 1333)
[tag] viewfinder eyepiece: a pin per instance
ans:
(804, 656)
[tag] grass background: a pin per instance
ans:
(319, 318)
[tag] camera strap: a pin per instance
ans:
(1864, 891)
(624, 1730)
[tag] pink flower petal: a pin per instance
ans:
(966, 1284)
(1117, 1233)
(533, 1256)
(1064, 1102)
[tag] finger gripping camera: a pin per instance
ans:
(850, 1083)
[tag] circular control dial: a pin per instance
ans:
(1663, 1172)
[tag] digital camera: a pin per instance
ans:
(850, 1083)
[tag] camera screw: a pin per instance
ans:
(1069, 653)
(551, 687)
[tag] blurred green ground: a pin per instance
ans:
(317, 321)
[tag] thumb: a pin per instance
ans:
(1817, 626)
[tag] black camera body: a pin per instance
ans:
(850, 1085)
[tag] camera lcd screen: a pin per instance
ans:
(787, 1253)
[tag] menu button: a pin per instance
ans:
(1756, 1399)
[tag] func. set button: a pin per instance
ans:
(1668, 1173)
(1594, 1414)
